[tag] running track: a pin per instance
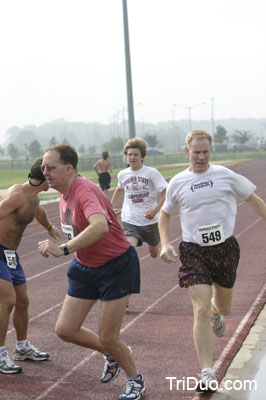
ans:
(158, 324)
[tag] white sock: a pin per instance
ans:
(133, 377)
(22, 343)
(207, 370)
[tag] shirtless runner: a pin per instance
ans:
(18, 207)
(102, 167)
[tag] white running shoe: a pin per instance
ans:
(7, 366)
(218, 325)
(29, 353)
(208, 382)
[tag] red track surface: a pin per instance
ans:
(158, 324)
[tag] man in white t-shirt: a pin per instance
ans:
(206, 196)
(140, 185)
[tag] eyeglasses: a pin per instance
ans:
(48, 167)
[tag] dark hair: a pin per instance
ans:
(36, 171)
(68, 154)
(105, 155)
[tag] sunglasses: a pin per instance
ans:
(48, 167)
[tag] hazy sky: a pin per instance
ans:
(65, 59)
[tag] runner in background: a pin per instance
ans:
(140, 187)
(102, 167)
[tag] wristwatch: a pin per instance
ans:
(64, 248)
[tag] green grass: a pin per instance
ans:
(9, 177)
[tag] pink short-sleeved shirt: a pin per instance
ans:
(83, 200)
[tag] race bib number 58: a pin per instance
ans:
(210, 235)
(11, 258)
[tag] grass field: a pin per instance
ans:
(9, 177)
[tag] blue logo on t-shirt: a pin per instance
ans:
(201, 185)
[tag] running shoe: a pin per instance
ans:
(208, 382)
(7, 366)
(134, 389)
(29, 353)
(111, 369)
(218, 325)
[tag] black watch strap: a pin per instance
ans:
(64, 248)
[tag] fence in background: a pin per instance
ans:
(86, 162)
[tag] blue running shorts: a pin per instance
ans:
(13, 273)
(115, 279)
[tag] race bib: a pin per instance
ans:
(11, 258)
(68, 231)
(210, 235)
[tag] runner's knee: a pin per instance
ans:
(22, 303)
(63, 332)
(202, 313)
(107, 340)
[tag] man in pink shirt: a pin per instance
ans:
(105, 267)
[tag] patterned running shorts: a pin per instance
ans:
(210, 264)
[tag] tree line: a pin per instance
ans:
(17, 149)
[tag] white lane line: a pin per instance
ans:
(248, 227)
(48, 270)
(81, 363)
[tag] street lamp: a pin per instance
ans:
(189, 108)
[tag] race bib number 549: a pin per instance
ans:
(210, 235)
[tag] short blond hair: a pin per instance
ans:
(198, 134)
(136, 143)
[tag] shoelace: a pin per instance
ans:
(29, 348)
(6, 361)
(128, 386)
(208, 377)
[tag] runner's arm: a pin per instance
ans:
(98, 227)
(118, 193)
(150, 214)
(95, 167)
(167, 250)
(258, 205)
(42, 218)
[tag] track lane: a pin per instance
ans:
(161, 337)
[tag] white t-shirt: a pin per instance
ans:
(206, 199)
(141, 190)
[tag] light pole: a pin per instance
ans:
(142, 119)
(173, 120)
(131, 119)
(212, 113)
(189, 108)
